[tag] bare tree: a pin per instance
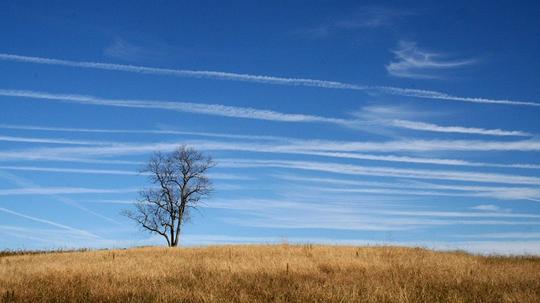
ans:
(181, 182)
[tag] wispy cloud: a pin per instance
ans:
(350, 169)
(73, 170)
(413, 62)
(138, 131)
(220, 176)
(188, 107)
(384, 112)
(365, 187)
(416, 188)
(430, 94)
(49, 140)
(381, 117)
(365, 17)
(373, 17)
(306, 146)
(50, 237)
(453, 214)
(49, 222)
(341, 222)
(418, 145)
(53, 238)
(226, 111)
(486, 207)
(504, 193)
(416, 93)
(110, 201)
(291, 214)
(422, 126)
(323, 148)
(63, 191)
(218, 75)
(409, 159)
(25, 183)
(124, 50)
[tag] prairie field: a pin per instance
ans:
(268, 273)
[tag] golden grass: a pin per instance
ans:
(268, 273)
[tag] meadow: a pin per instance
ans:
(267, 273)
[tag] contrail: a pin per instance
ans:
(187, 107)
(331, 149)
(219, 75)
(414, 125)
(276, 147)
(26, 183)
(61, 190)
(51, 141)
(80, 231)
(140, 131)
(429, 94)
(184, 72)
(350, 169)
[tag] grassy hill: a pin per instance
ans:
(268, 273)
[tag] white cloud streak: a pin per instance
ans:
(139, 131)
(362, 209)
(366, 187)
(122, 49)
(419, 188)
(66, 239)
(341, 222)
(286, 214)
(486, 207)
(332, 149)
(313, 146)
(337, 150)
(429, 94)
(73, 170)
(416, 93)
(416, 160)
(316, 146)
(62, 190)
(380, 117)
(187, 107)
(52, 238)
(493, 192)
(182, 72)
(340, 149)
(219, 176)
(455, 129)
(417, 145)
(350, 169)
(49, 141)
(412, 62)
(363, 18)
(49, 222)
(456, 214)
(25, 183)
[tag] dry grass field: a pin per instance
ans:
(268, 273)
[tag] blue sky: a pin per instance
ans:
(332, 122)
